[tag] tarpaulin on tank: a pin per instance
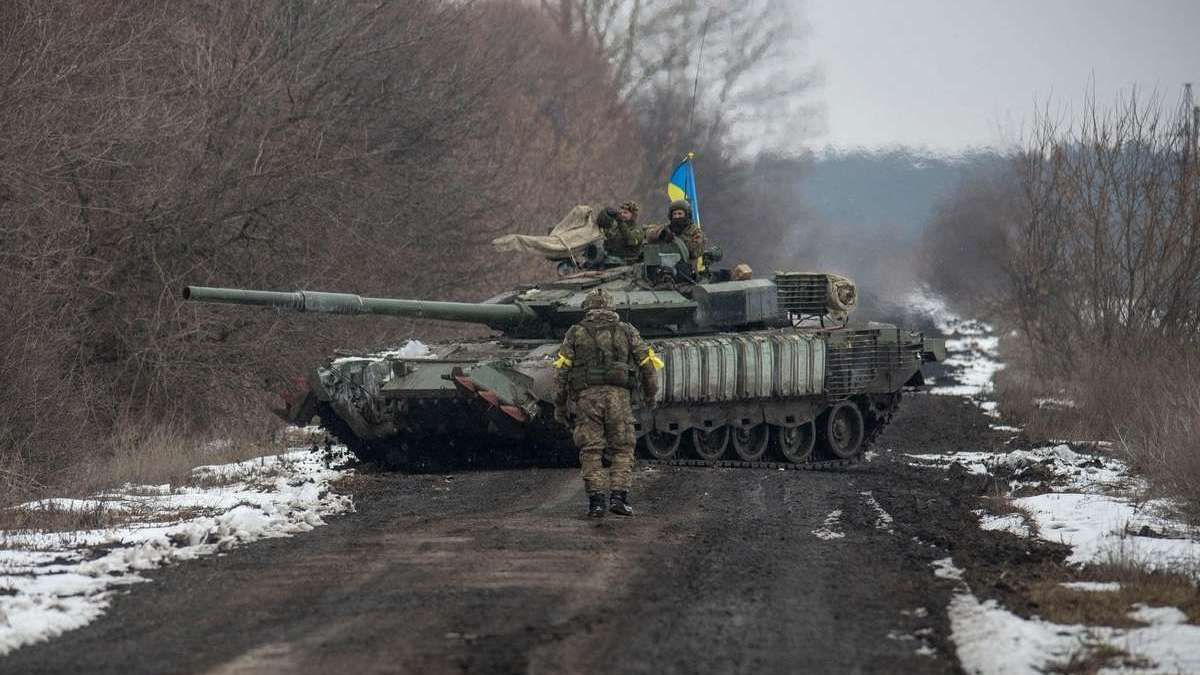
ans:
(569, 236)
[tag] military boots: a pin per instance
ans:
(618, 503)
(596, 505)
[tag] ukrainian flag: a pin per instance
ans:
(683, 185)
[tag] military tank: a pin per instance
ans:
(757, 372)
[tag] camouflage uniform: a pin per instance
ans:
(688, 232)
(601, 361)
(622, 238)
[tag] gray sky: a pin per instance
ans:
(956, 73)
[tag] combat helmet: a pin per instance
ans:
(598, 298)
(681, 204)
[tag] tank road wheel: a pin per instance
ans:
(842, 430)
(750, 443)
(661, 444)
(709, 445)
(794, 444)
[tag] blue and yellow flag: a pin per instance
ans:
(683, 186)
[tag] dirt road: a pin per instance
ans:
(722, 570)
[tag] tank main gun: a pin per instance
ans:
(491, 315)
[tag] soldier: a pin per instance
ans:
(680, 225)
(601, 362)
(623, 237)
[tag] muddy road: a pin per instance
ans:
(722, 570)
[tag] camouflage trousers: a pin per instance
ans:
(604, 426)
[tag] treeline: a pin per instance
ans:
(374, 148)
(1089, 246)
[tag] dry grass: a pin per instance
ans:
(1063, 605)
(1021, 384)
(56, 519)
(142, 455)
(1146, 403)
(1092, 657)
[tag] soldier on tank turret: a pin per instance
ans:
(601, 362)
(623, 237)
(680, 226)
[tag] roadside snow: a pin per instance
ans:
(1102, 528)
(946, 569)
(991, 640)
(1085, 507)
(52, 582)
(1058, 467)
(971, 348)
(1011, 522)
(1092, 586)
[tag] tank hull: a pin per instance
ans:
(771, 395)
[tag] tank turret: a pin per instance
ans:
(546, 310)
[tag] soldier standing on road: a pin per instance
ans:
(603, 360)
(623, 237)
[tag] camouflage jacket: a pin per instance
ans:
(624, 239)
(603, 350)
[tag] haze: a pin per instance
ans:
(952, 75)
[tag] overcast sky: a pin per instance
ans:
(951, 74)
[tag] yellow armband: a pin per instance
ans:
(652, 359)
(562, 361)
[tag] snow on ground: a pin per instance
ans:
(828, 529)
(1010, 522)
(1101, 528)
(883, 519)
(991, 640)
(52, 582)
(1057, 467)
(1085, 504)
(971, 348)
(1093, 586)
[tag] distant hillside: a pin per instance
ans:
(898, 188)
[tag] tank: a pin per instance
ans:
(758, 372)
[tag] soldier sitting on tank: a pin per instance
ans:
(623, 237)
(680, 226)
(602, 361)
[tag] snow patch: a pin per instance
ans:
(412, 349)
(828, 529)
(1065, 468)
(50, 583)
(1009, 522)
(1054, 403)
(946, 569)
(1092, 586)
(883, 519)
(1103, 528)
(990, 639)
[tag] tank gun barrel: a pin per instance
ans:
(348, 303)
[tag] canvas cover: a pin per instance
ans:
(564, 242)
(842, 297)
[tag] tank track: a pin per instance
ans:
(819, 465)
(395, 454)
